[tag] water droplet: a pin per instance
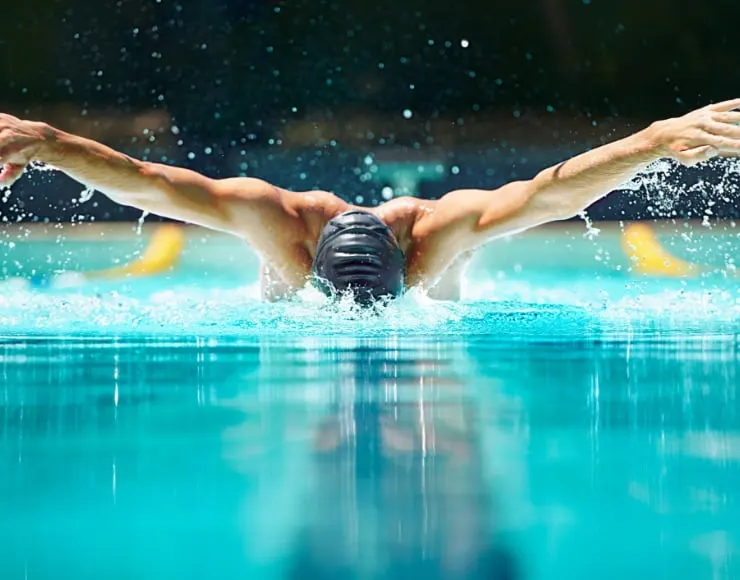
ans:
(464, 43)
(387, 193)
(407, 113)
(86, 195)
(140, 223)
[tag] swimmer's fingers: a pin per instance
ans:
(691, 157)
(722, 144)
(10, 173)
(728, 117)
(729, 133)
(725, 106)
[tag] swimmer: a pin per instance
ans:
(376, 252)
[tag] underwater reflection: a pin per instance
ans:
(343, 458)
(397, 481)
(633, 449)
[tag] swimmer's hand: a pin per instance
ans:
(708, 132)
(20, 143)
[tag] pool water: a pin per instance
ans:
(554, 424)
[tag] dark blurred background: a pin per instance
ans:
(368, 99)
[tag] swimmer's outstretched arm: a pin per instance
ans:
(465, 219)
(239, 206)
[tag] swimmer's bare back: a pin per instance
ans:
(283, 227)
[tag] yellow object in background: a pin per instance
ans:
(648, 256)
(161, 255)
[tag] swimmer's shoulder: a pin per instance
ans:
(402, 213)
(318, 207)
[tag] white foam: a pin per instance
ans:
(499, 308)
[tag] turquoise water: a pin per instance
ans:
(551, 425)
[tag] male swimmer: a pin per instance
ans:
(378, 252)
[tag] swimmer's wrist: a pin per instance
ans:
(49, 150)
(652, 143)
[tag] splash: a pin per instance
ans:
(140, 222)
(509, 310)
(668, 186)
(86, 195)
(591, 231)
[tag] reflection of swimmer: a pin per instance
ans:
(373, 251)
(399, 489)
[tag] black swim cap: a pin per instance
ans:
(357, 252)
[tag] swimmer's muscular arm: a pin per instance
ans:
(240, 206)
(465, 219)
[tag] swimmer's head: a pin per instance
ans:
(358, 254)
